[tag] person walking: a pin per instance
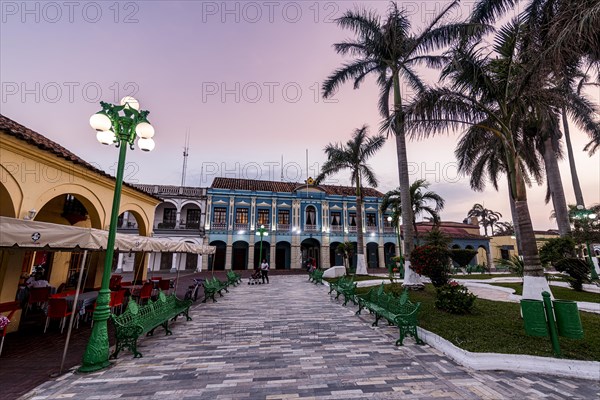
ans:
(264, 270)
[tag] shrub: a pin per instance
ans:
(514, 264)
(432, 262)
(454, 298)
(557, 249)
(577, 269)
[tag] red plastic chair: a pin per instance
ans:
(57, 308)
(145, 292)
(115, 282)
(9, 308)
(116, 299)
(165, 285)
(38, 296)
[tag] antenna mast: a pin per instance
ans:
(185, 156)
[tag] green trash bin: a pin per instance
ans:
(567, 319)
(534, 318)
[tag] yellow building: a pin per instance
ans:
(41, 180)
(505, 246)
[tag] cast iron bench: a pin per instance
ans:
(213, 286)
(398, 311)
(344, 286)
(316, 276)
(233, 278)
(138, 320)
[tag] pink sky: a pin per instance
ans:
(243, 77)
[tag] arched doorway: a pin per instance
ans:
(335, 259)
(266, 252)
(283, 255)
(311, 248)
(389, 251)
(216, 261)
(372, 255)
(7, 207)
(239, 255)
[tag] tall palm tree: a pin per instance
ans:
(504, 229)
(491, 93)
(422, 202)
(388, 50)
(353, 156)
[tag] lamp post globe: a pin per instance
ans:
(116, 124)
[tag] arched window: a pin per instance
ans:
(311, 215)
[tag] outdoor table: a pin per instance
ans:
(84, 300)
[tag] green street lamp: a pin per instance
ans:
(118, 124)
(262, 231)
(399, 239)
(586, 217)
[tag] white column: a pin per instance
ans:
(199, 264)
(174, 263)
(119, 269)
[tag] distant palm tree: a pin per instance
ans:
(422, 202)
(391, 52)
(504, 229)
(485, 216)
(353, 156)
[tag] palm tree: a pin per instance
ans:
(485, 216)
(504, 229)
(346, 250)
(494, 94)
(422, 202)
(353, 156)
(388, 50)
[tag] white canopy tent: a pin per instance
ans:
(46, 236)
(35, 235)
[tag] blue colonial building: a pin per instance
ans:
(301, 220)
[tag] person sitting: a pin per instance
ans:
(39, 281)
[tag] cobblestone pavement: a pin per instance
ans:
(288, 340)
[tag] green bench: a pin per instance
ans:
(344, 286)
(398, 311)
(138, 320)
(475, 268)
(233, 278)
(213, 286)
(316, 276)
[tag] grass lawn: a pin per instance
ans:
(558, 292)
(361, 278)
(483, 276)
(497, 327)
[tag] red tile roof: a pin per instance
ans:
(21, 132)
(453, 229)
(285, 187)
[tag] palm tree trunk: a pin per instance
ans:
(572, 166)
(410, 277)
(515, 219)
(556, 188)
(361, 267)
(534, 281)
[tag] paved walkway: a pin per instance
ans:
(289, 340)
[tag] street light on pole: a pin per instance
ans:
(118, 124)
(261, 232)
(586, 217)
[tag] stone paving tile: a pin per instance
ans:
(288, 340)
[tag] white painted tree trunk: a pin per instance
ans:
(361, 265)
(533, 286)
(411, 278)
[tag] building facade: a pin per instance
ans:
(300, 220)
(179, 217)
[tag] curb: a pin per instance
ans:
(511, 362)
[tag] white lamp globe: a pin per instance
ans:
(130, 102)
(144, 130)
(106, 137)
(100, 122)
(592, 216)
(146, 144)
